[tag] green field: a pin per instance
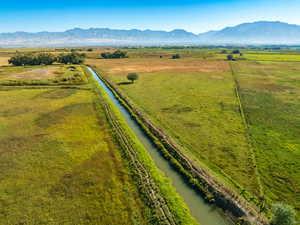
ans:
(60, 162)
(253, 145)
(270, 95)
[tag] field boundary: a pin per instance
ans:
(246, 125)
(199, 178)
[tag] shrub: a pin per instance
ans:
(283, 215)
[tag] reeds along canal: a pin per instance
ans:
(206, 214)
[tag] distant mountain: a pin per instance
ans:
(98, 36)
(262, 32)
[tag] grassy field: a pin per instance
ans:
(39, 75)
(270, 95)
(195, 101)
(59, 163)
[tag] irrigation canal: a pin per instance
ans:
(204, 213)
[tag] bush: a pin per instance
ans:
(132, 77)
(115, 55)
(283, 215)
(176, 56)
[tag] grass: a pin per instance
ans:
(4, 61)
(194, 101)
(39, 75)
(59, 163)
(197, 107)
(271, 94)
(175, 203)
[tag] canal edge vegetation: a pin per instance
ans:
(166, 206)
(238, 207)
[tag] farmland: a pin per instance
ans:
(39, 75)
(250, 142)
(60, 162)
(236, 119)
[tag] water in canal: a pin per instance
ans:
(204, 213)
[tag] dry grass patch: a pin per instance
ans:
(36, 74)
(117, 66)
(4, 61)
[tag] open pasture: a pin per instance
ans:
(196, 105)
(59, 163)
(270, 95)
(142, 65)
(195, 102)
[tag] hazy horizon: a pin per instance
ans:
(190, 15)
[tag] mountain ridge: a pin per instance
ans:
(260, 32)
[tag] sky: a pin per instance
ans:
(191, 15)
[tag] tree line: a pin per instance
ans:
(29, 59)
(115, 55)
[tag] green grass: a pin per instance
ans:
(175, 202)
(271, 92)
(200, 111)
(59, 163)
(272, 57)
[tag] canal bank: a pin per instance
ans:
(206, 214)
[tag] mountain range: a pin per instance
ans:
(256, 33)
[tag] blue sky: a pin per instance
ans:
(191, 15)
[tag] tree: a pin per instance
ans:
(230, 57)
(115, 55)
(132, 77)
(32, 59)
(176, 56)
(236, 51)
(283, 215)
(45, 59)
(71, 58)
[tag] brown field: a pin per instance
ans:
(4, 61)
(35, 74)
(113, 66)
